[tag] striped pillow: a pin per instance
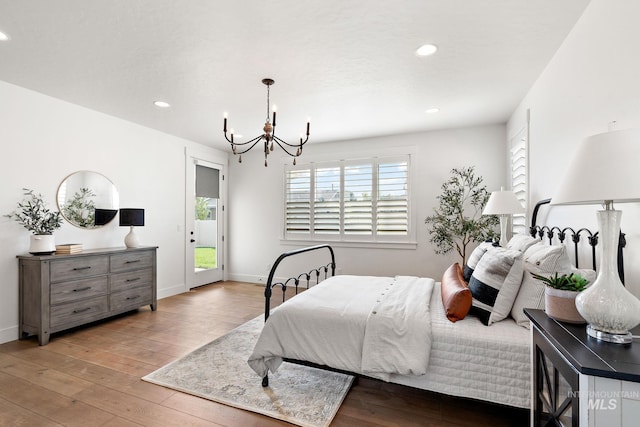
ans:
(474, 258)
(494, 284)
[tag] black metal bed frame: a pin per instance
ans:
(575, 236)
(534, 230)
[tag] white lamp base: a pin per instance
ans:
(504, 222)
(607, 305)
(131, 239)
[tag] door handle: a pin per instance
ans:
(192, 241)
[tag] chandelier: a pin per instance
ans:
(268, 137)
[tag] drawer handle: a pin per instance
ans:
(82, 268)
(134, 297)
(134, 279)
(82, 289)
(82, 310)
(132, 261)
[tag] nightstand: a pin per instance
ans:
(579, 381)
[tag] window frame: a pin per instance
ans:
(349, 239)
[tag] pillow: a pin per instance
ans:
(474, 258)
(530, 295)
(456, 296)
(522, 242)
(540, 259)
(548, 259)
(494, 284)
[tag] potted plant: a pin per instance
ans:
(33, 214)
(458, 220)
(560, 296)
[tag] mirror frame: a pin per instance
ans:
(87, 199)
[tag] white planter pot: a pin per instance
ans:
(561, 305)
(42, 244)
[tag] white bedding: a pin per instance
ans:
(361, 324)
(466, 358)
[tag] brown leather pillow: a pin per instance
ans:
(456, 296)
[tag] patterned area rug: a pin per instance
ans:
(219, 371)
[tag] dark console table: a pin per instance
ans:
(580, 381)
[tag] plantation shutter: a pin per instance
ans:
(326, 206)
(298, 201)
(357, 200)
(519, 175)
(392, 210)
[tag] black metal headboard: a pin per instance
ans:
(575, 237)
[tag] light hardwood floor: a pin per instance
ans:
(91, 376)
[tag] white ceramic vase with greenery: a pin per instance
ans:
(34, 215)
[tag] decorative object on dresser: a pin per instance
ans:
(69, 248)
(457, 221)
(132, 217)
(604, 170)
(503, 203)
(560, 296)
(87, 199)
(58, 292)
(34, 215)
(268, 137)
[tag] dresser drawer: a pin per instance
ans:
(131, 279)
(65, 316)
(131, 261)
(78, 268)
(130, 299)
(78, 289)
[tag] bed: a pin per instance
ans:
(400, 329)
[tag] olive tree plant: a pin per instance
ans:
(458, 219)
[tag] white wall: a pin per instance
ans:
(44, 139)
(592, 80)
(256, 197)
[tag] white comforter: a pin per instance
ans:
(371, 325)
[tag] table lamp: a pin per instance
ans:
(503, 203)
(605, 170)
(131, 217)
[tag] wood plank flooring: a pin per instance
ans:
(90, 376)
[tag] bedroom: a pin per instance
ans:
(48, 139)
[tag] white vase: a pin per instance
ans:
(607, 305)
(42, 244)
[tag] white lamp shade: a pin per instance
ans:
(604, 167)
(502, 202)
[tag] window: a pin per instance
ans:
(519, 181)
(350, 200)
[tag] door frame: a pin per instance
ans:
(192, 156)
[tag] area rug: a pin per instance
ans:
(218, 371)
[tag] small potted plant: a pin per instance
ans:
(33, 214)
(560, 296)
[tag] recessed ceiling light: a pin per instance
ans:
(162, 104)
(426, 50)
(432, 110)
(3, 37)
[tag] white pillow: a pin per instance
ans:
(548, 259)
(494, 284)
(522, 242)
(540, 259)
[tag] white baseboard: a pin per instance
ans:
(173, 290)
(9, 334)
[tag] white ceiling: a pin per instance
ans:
(349, 65)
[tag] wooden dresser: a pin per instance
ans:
(59, 292)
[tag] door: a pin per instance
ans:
(204, 223)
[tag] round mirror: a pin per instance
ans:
(88, 199)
